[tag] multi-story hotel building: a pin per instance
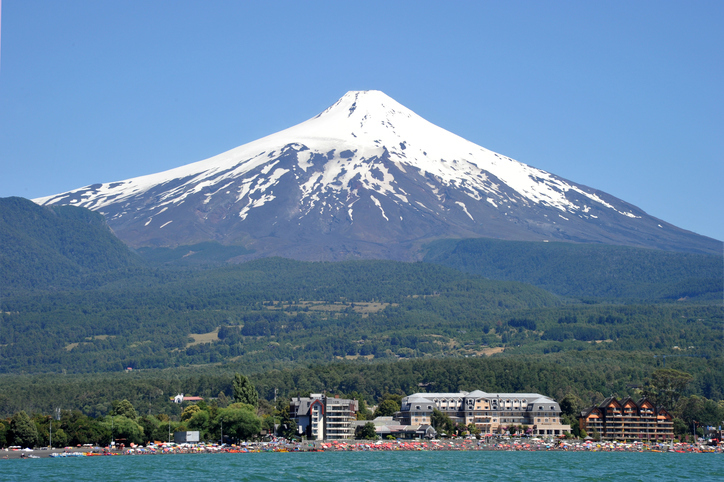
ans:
(490, 412)
(628, 420)
(320, 417)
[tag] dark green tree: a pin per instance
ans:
(569, 405)
(366, 432)
(3, 435)
(239, 423)
(680, 427)
(200, 421)
(666, 386)
(42, 423)
(24, 432)
(268, 423)
(189, 412)
(387, 408)
(363, 413)
(575, 428)
(287, 426)
(244, 391)
(154, 428)
(442, 422)
(149, 423)
(702, 410)
(82, 429)
(123, 408)
(125, 430)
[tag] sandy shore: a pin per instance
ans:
(6, 454)
(368, 445)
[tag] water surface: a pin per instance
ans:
(374, 466)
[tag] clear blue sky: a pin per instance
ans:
(623, 96)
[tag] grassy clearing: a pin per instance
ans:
(365, 308)
(200, 338)
(355, 357)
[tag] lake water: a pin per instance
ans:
(374, 466)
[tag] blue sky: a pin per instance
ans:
(625, 97)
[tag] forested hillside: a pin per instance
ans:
(267, 311)
(280, 313)
(587, 270)
(77, 309)
(50, 247)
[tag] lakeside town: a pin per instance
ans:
(474, 420)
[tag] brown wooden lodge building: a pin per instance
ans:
(628, 420)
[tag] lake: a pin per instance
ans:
(374, 466)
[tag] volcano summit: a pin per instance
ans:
(366, 178)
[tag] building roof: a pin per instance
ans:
(477, 394)
(304, 404)
(585, 413)
(530, 398)
(608, 402)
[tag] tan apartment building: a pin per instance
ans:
(628, 420)
(490, 412)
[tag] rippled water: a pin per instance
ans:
(374, 466)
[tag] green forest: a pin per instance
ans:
(587, 270)
(274, 313)
(86, 322)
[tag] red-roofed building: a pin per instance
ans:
(181, 398)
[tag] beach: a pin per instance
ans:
(523, 445)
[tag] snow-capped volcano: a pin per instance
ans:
(365, 178)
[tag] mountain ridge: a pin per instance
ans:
(366, 178)
(42, 247)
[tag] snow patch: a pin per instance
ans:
(379, 205)
(465, 208)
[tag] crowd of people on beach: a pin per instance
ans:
(282, 445)
(428, 445)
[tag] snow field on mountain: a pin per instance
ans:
(362, 125)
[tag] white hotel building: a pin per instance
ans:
(490, 412)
